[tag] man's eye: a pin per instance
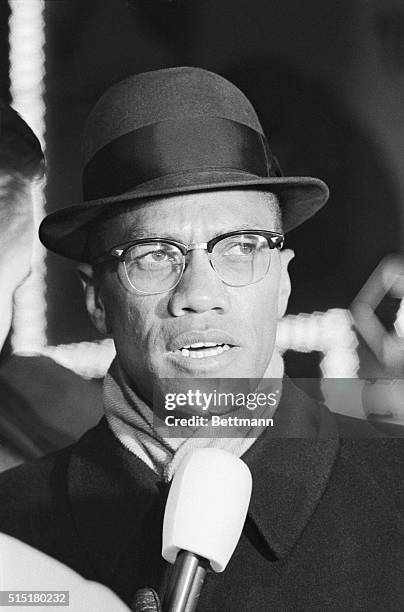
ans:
(241, 249)
(153, 257)
(159, 255)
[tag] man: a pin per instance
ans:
(24, 433)
(180, 238)
(32, 420)
(21, 163)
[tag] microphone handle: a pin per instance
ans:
(186, 581)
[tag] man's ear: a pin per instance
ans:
(92, 294)
(286, 256)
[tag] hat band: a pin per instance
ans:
(176, 146)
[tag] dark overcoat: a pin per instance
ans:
(325, 528)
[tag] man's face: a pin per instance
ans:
(150, 330)
(16, 241)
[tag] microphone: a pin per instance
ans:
(204, 517)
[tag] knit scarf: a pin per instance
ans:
(131, 421)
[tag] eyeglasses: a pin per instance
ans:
(155, 265)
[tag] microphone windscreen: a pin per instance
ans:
(207, 506)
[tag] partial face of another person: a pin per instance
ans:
(16, 241)
(155, 335)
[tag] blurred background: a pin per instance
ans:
(327, 80)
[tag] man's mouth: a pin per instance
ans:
(199, 350)
(203, 345)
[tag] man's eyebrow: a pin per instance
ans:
(139, 232)
(244, 226)
(238, 228)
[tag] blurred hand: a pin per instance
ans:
(146, 600)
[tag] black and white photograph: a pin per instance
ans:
(202, 305)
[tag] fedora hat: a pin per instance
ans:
(172, 131)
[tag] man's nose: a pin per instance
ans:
(200, 289)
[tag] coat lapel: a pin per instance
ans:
(291, 464)
(111, 493)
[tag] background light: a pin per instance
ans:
(27, 71)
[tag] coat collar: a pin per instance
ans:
(111, 491)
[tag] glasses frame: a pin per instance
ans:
(118, 253)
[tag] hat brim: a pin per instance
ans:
(66, 231)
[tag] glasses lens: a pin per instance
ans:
(241, 259)
(153, 267)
